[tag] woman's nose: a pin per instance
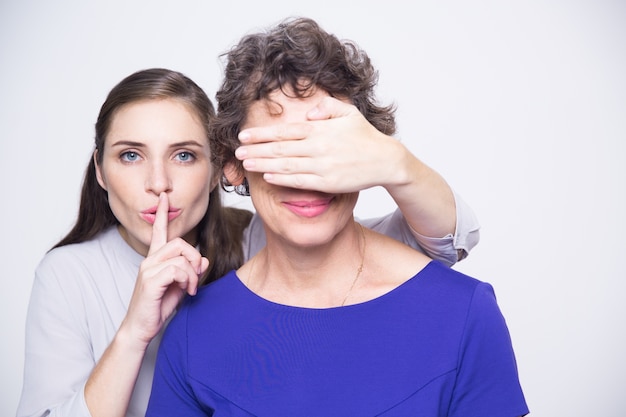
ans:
(158, 180)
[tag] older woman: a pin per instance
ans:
(329, 318)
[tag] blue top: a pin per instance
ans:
(437, 345)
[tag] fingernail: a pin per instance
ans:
(313, 112)
(241, 153)
(244, 136)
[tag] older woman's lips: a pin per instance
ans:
(309, 208)
(149, 215)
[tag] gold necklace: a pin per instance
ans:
(358, 271)
(356, 278)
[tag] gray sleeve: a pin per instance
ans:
(58, 358)
(254, 237)
(467, 232)
(447, 249)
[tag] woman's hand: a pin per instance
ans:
(170, 269)
(336, 151)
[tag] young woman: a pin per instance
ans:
(151, 227)
(101, 296)
(329, 318)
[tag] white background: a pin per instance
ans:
(521, 107)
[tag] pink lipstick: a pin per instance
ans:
(309, 208)
(149, 215)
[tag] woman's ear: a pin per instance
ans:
(99, 176)
(234, 175)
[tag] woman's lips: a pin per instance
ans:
(308, 208)
(149, 215)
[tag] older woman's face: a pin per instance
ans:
(156, 146)
(302, 217)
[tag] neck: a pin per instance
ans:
(319, 276)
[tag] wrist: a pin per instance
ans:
(128, 341)
(405, 169)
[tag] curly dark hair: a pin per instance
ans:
(296, 55)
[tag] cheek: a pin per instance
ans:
(199, 188)
(348, 202)
(259, 189)
(117, 185)
(198, 205)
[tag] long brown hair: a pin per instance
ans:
(221, 229)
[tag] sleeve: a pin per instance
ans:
(171, 393)
(253, 237)
(447, 249)
(487, 379)
(54, 380)
(467, 232)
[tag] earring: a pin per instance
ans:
(243, 188)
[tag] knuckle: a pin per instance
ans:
(282, 131)
(289, 166)
(299, 181)
(278, 148)
(178, 241)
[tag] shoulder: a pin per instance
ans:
(76, 252)
(448, 276)
(105, 253)
(214, 307)
(392, 265)
(68, 256)
(439, 288)
(466, 297)
(219, 294)
(389, 263)
(452, 284)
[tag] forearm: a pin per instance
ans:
(110, 386)
(424, 197)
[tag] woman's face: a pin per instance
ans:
(156, 146)
(304, 218)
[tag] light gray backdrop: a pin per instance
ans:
(522, 107)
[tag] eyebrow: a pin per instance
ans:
(142, 144)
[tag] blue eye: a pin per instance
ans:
(129, 156)
(185, 156)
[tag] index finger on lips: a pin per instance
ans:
(159, 227)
